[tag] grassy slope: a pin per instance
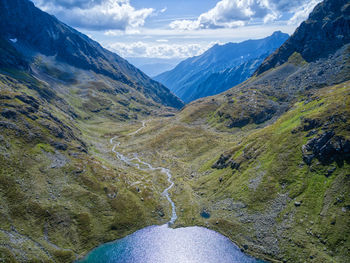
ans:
(255, 205)
(58, 202)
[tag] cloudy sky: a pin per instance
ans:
(176, 28)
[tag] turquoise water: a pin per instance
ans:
(161, 244)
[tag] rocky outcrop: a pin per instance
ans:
(10, 57)
(309, 124)
(224, 162)
(327, 148)
(326, 30)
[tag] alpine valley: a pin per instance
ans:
(92, 149)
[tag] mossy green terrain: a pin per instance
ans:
(266, 163)
(62, 191)
(261, 181)
(265, 197)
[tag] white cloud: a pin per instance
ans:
(236, 13)
(157, 50)
(162, 40)
(226, 14)
(303, 12)
(97, 14)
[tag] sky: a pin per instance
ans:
(176, 28)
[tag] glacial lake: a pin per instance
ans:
(161, 244)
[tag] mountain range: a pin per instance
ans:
(219, 68)
(265, 163)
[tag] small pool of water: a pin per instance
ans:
(161, 244)
(205, 214)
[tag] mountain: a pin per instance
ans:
(326, 30)
(62, 98)
(287, 73)
(36, 31)
(267, 163)
(219, 68)
(154, 66)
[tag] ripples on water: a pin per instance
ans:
(161, 244)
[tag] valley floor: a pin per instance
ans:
(256, 185)
(266, 197)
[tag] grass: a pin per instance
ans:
(271, 156)
(94, 198)
(64, 212)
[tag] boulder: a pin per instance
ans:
(9, 113)
(297, 204)
(309, 124)
(222, 162)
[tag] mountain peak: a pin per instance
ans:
(325, 31)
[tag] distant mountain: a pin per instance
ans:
(33, 31)
(154, 66)
(219, 68)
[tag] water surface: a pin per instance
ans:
(161, 244)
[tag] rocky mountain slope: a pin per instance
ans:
(271, 92)
(267, 163)
(34, 31)
(219, 68)
(326, 31)
(62, 98)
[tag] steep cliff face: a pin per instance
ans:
(219, 68)
(34, 31)
(325, 31)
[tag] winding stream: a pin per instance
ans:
(149, 167)
(162, 244)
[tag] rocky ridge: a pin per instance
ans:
(325, 31)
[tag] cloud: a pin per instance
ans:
(97, 14)
(70, 3)
(157, 50)
(236, 13)
(162, 40)
(303, 12)
(226, 13)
